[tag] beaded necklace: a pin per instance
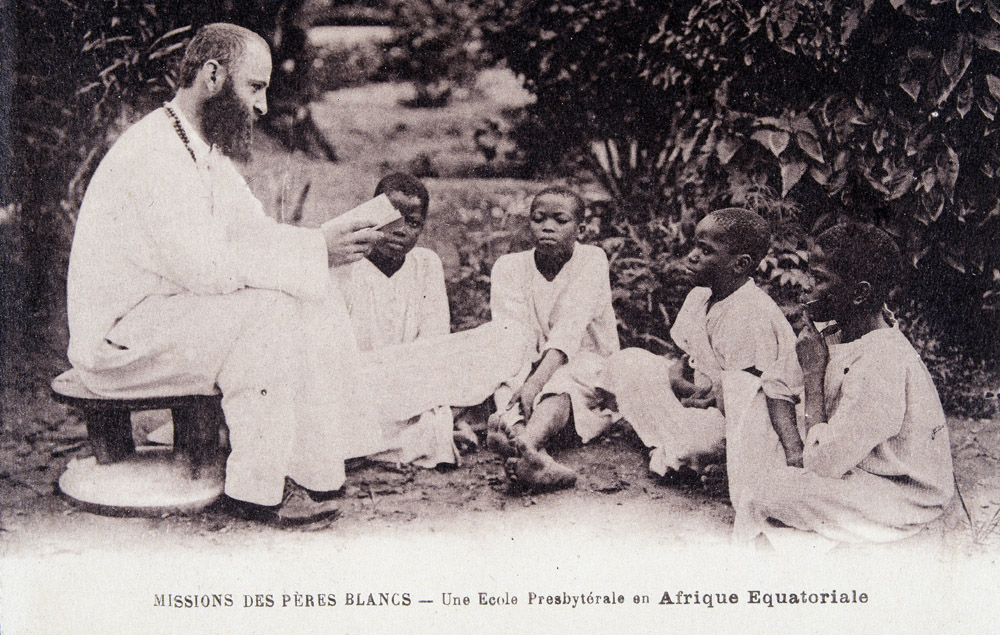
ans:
(180, 130)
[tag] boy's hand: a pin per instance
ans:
(351, 243)
(811, 349)
(525, 398)
(602, 400)
(681, 377)
(701, 398)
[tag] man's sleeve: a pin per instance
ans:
(870, 411)
(214, 249)
(580, 303)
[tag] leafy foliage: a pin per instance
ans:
(879, 110)
(439, 46)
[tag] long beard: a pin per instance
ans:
(228, 124)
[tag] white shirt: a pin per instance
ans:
(570, 313)
(885, 418)
(744, 330)
(389, 310)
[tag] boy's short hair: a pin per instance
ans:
(744, 232)
(858, 252)
(405, 184)
(579, 205)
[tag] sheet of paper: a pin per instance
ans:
(378, 210)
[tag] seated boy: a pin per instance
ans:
(876, 463)
(728, 329)
(561, 292)
(397, 295)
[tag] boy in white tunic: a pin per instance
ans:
(732, 334)
(561, 292)
(877, 464)
(397, 295)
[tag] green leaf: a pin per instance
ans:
(928, 179)
(990, 40)
(947, 170)
(791, 173)
(774, 140)
(726, 148)
(804, 124)
(810, 146)
(994, 84)
(911, 87)
(988, 106)
(820, 176)
(903, 183)
(849, 24)
(964, 100)
(879, 138)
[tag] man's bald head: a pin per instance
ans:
(222, 42)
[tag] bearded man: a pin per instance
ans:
(178, 283)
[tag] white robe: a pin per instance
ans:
(179, 282)
(391, 310)
(571, 313)
(745, 330)
(880, 468)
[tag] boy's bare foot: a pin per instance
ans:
(465, 439)
(538, 472)
(498, 438)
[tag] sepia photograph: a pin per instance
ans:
(583, 316)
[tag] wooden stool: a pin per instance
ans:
(121, 480)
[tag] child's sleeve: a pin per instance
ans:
(870, 411)
(748, 341)
(507, 294)
(583, 301)
(435, 318)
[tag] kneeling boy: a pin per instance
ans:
(561, 292)
(876, 464)
(732, 334)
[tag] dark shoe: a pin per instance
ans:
(246, 511)
(301, 507)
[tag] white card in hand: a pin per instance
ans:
(378, 210)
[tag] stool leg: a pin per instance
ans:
(196, 433)
(110, 433)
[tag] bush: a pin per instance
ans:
(881, 111)
(336, 67)
(439, 46)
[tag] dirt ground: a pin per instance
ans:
(615, 493)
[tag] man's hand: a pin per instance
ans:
(350, 243)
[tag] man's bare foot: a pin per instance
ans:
(499, 438)
(536, 471)
(465, 438)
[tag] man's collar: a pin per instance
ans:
(195, 141)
